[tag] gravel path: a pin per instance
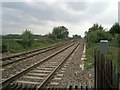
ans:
(73, 74)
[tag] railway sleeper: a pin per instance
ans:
(28, 87)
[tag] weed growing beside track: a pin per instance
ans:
(16, 47)
(111, 55)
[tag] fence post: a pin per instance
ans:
(95, 69)
(102, 69)
(106, 75)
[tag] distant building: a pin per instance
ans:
(119, 12)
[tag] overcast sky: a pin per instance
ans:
(41, 17)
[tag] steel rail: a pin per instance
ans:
(32, 51)
(34, 54)
(44, 83)
(5, 64)
(10, 79)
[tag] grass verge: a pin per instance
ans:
(111, 55)
(17, 47)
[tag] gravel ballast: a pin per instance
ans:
(17, 67)
(74, 75)
(56, 59)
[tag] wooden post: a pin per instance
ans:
(105, 74)
(95, 69)
(102, 71)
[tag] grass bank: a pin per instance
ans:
(17, 47)
(111, 55)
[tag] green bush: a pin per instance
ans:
(27, 38)
(13, 45)
(89, 62)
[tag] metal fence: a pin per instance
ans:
(106, 74)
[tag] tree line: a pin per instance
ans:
(92, 38)
(27, 38)
(98, 32)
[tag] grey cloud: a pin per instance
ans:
(97, 7)
(77, 6)
(57, 14)
(108, 19)
(39, 14)
(48, 13)
(16, 5)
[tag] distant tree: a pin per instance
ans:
(60, 32)
(11, 36)
(95, 27)
(115, 29)
(52, 36)
(96, 33)
(36, 36)
(96, 36)
(27, 38)
(76, 36)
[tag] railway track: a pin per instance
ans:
(21, 56)
(16, 67)
(39, 74)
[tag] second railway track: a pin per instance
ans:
(14, 68)
(39, 74)
(21, 56)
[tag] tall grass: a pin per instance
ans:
(17, 46)
(112, 54)
(13, 45)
